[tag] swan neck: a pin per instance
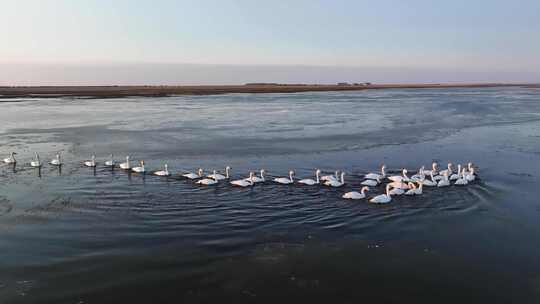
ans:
(388, 190)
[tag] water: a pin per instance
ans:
(99, 236)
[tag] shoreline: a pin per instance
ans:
(165, 91)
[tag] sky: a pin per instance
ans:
(119, 41)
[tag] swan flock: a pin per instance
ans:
(397, 184)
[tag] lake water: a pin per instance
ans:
(78, 235)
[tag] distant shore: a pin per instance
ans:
(163, 91)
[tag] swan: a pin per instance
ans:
(462, 181)
(126, 165)
(420, 188)
(164, 172)
(438, 178)
(330, 177)
(397, 191)
(456, 175)
(430, 183)
(284, 180)
(448, 171)
(433, 169)
(469, 166)
(371, 182)
(382, 198)
(400, 178)
(356, 195)
(405, 177)
(311, 182)
(376, 175)
(256, 179)
(218, 177)
(208, 181)
(414, 190)
(399, 185)
(470, 175)
(11, 159)
(36, 163)
(244, 182)
(91, 162)
(56, 161)
(420, 175)
(444, 182)
(191, 175)
(139, 169)
(335, 183)
(110, 162)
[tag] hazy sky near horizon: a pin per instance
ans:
(474, 36)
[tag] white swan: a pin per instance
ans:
(456, 175)
(356, 195)
(382, 198)
(420, 175)
(126, 165)
(246, 182)
(462, 181)
(371, 182)
(256, 179)
(36, 162)
(448, 171)
(433, 169)
(376, 175)
(413, 190)
(192, 175)
(431, 182)
(56, 161)
(469, 167)
(164, 172)
(110, 162)
(444, 182)
(438, 178)
(400, 178)
(397, 191)
(208, 181)
(311, 182)
(330, 177)
(420, 188)
(285, 180)
(139, 169)
(11, 159)
(217, 176)
(91, 162)
(470, 176)
(399, 185)
(335, 183)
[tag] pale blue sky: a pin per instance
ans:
(465, 35)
